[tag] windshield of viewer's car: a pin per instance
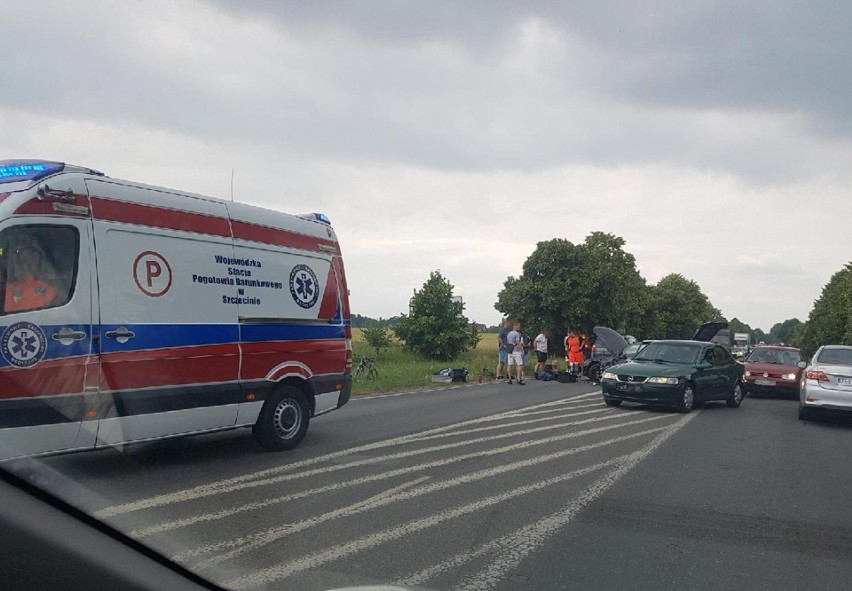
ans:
(775, 356)
(686, 353)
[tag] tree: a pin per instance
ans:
(377, 336)
(677, 307)
(736, 325)
(564, 285)
(436, 327)
(830, 320)
(783, 332)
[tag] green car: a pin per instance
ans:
(677, 374)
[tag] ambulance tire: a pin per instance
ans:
(284, 419)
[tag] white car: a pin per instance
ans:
(827, 383)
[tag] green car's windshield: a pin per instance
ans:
(684, 353)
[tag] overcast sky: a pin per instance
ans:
(714, 137)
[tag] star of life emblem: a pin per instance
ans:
(304, 286)
(23, 344)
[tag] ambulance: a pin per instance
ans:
(132, 313)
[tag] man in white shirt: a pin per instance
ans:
(516, 357)
(540, 350)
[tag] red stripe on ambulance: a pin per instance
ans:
(267, 235)
(158, 217)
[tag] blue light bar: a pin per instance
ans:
(27, 170)
(321, 217)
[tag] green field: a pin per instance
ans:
(400, 369)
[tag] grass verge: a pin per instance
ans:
(400, 369)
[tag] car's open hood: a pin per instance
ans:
(610, 339)
(708, 330)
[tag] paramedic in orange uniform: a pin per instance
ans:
(25, 287)
(575, 352)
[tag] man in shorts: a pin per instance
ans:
(540, 350)
(502, 349)
(516, 357)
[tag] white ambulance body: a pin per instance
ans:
(151, 313)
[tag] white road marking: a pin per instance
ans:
(553, 409)
(244, 507)
(389, 493)
(254, 541)
(514, 547)
(242, 483)
(282, 571)
(424, 391)
(550, 417)
(212, 488)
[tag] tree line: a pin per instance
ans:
(566, 285)
(578, 286)
(830, 320)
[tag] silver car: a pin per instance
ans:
(826, 384)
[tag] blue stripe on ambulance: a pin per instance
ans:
(55, 349)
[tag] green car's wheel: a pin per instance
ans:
(736, 398)
(686, 402)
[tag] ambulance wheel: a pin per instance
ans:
(284, 419)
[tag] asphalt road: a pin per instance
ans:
(495, 487)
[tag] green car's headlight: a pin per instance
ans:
(671, 381)
(608, 375)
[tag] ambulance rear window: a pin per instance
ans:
(13, 171)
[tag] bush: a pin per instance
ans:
(436, 327)
(377, 337)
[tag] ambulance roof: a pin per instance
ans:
(20, 175)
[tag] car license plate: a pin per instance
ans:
(621, 387)
(844, 381)
(765, 382)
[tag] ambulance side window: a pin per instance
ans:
(38, 267)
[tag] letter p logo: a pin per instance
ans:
(152, 274)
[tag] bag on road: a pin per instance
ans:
(565, 377)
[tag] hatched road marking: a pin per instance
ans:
(331, 491)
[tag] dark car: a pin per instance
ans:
(610, 349)
(677, 374)
(774, 370)
(605, 352)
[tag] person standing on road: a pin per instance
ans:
(516, 357)
(575, 352)
(540, 350)
(503, 350)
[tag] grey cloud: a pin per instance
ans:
(434, 85)
(788, 54)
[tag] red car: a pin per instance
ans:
(774, 370)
